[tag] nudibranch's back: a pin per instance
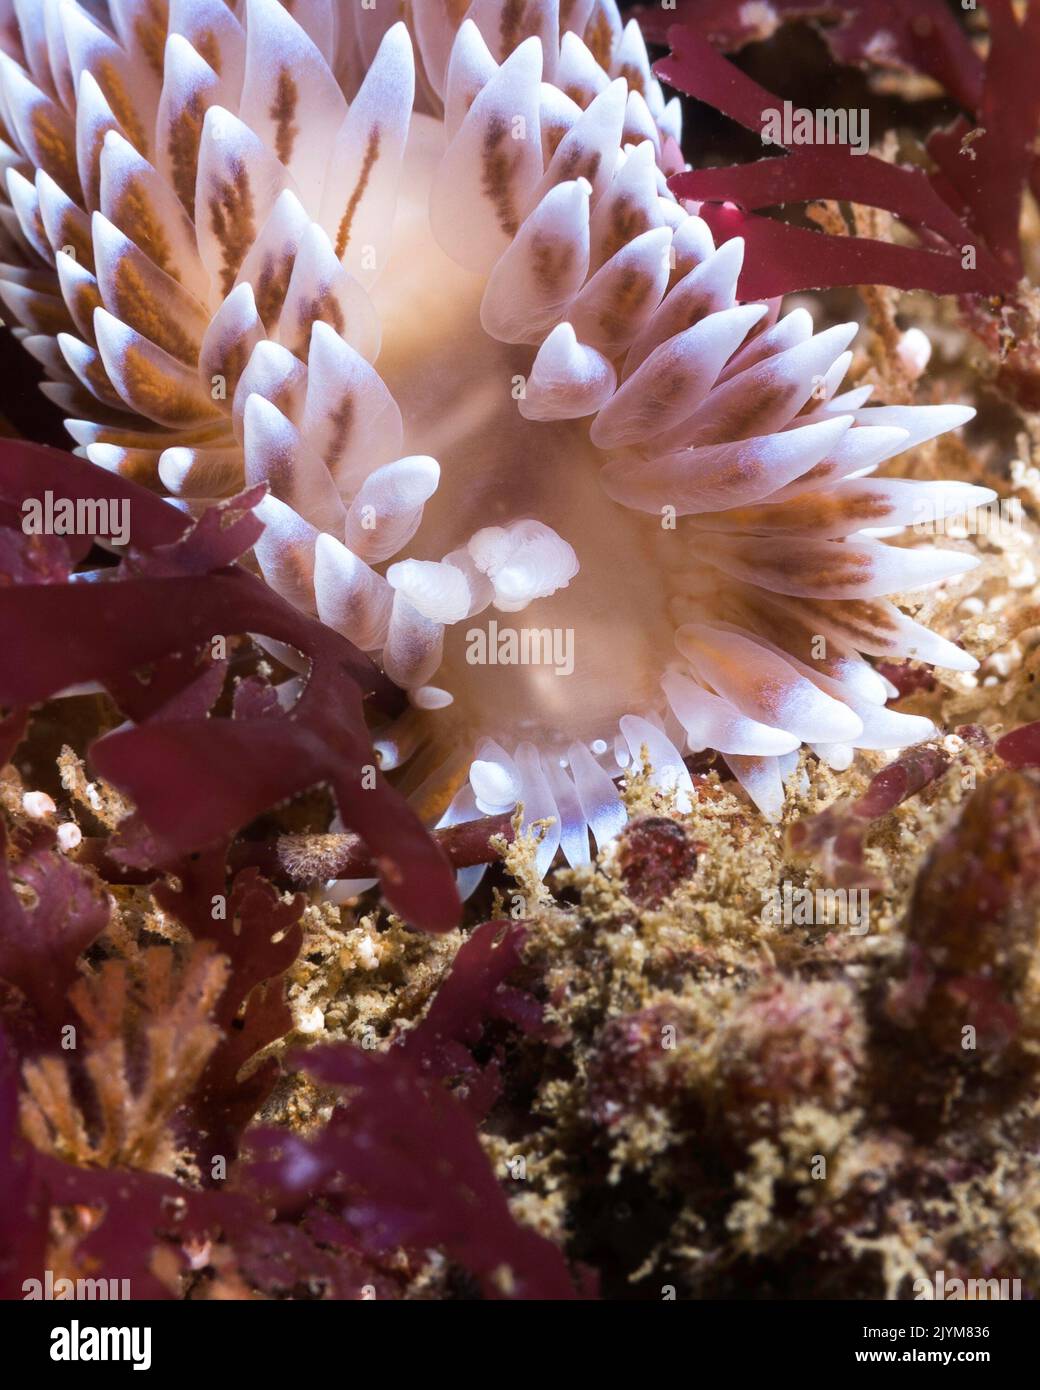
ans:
(523, 442)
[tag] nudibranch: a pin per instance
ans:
(524, 444)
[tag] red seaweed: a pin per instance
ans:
(972, 201)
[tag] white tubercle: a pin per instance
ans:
(437, 590)
(524, 561)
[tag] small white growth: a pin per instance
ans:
(914, 351)
(38, 805)
(310, 1022)
(69, 836)
(367, 954)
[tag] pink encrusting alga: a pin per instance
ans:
(428, 281)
